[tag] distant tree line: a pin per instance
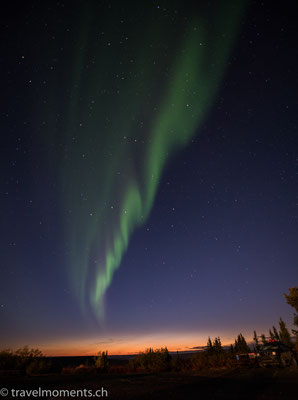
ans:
(31, 361)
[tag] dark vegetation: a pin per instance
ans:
(214, 356)
(215, 362)
(24, 360)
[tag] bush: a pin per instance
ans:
(153, 360)
(7, 360)
(22, 359)
(102, 361)
(25, 356)
(207, 360)
(200, 361)
(37, 366)
(179, 364)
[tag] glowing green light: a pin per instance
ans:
(122, 134)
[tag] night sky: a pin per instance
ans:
(149, 158)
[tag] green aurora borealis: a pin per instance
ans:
(134, 101)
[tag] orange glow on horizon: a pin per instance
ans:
(130, 344)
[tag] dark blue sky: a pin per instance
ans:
(219, 248)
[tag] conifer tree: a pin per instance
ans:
(217, 345)
(263, 338)
(271, 335)
(276, 334)
(241, 345)
(209, 345)
(257, 344)
(284, 334)
(292, 300)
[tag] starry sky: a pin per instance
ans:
(149, 160)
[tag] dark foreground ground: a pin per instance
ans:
(268, 384)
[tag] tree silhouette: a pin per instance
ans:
(276, 334)
(257, 344)
(241, 345)
(292, 300)
(271, 334)
(102, 361)
(284, 334)
(217, 347)
(209, 345)
(263, 338)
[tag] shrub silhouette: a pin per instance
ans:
(37, 366)
(213, 357)
(101, 362)
(179, 364)
(7, 360)
(26, 356)
(153, 360)
(204, 360)
(26, 360)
